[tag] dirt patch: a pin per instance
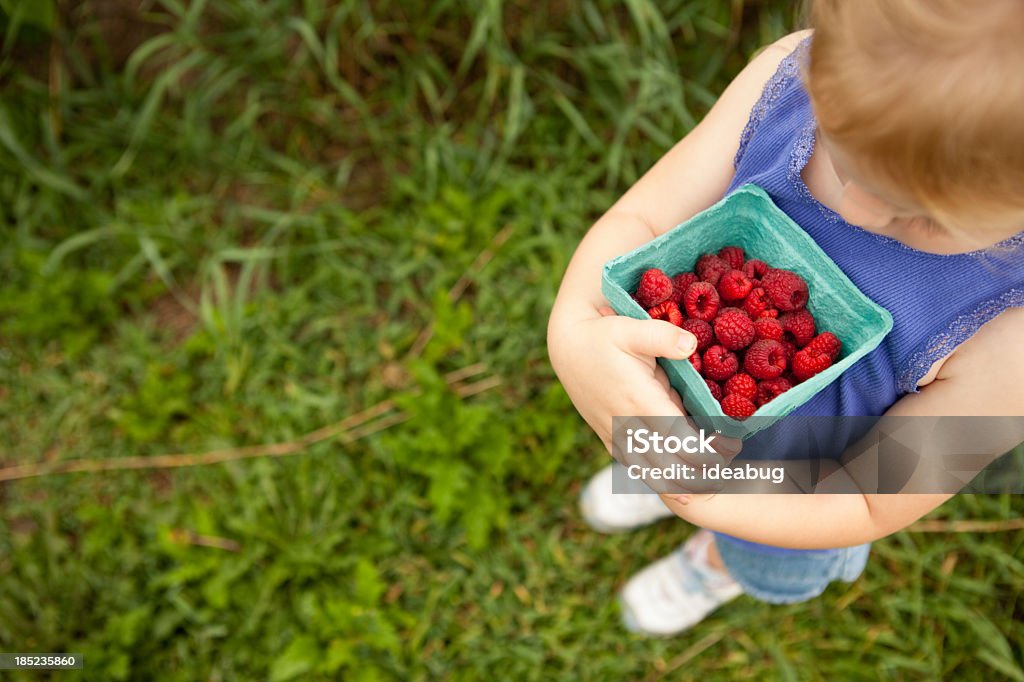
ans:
(171, 314)
(176, 312)
(110, 30)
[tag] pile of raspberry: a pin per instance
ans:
(755, 337)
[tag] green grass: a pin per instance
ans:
(228, 226)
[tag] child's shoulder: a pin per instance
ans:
(982, 366)
(785, 45)
(733, 108)
(766, 60)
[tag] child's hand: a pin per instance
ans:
(608, 367)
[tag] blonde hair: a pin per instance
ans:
(927, 95)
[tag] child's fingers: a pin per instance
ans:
(728, 447)
(654, 338)
(676, 400)
(662, 379)
(605, 311)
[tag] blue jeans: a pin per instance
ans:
(786, 576)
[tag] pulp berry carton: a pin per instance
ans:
(748, 218)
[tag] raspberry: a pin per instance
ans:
(701, 301)
(766, 359)
(755, 337)
(734, 286)
(667, 311)
(733, 255)
(737, 406)
(798, 326)
(700, 329)
(680, 283)
(741, 383)
(810, 361)
(827, 343)
(733, 328)
(770, 389)
(710, 268)
(767, 328)
(756, 302)
(655, 287)
(695, 361)
(720, 363)
(755, 269)
(716, 390)
(786, 289)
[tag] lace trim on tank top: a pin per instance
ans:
(803, 148)
(789, 68)
(959, 330)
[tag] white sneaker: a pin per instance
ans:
(677, 592)
(607, 512)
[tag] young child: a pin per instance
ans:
(892, 134)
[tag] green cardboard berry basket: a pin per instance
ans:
(748, 218)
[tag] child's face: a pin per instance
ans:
(862, 203)
(860, 206)
(883, 210)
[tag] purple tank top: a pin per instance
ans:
(937, 301)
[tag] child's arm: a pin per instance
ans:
(607, 363)
(981, 378)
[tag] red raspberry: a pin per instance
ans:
(700, 329)
(755, 269)
(791, 350)
(771, 312)
(695, 361)
(741, 383)
(810, 361)
(667, 311)
(766, 359)
(680, 283)
(710, 268)
(827, 343)
(720, 363)
(767, 328)
(786, 289)
(734, 329)
(734, 286)
(770, 389)
(798, 326)
(738, 406)
(756, 302)
(716, 390)
(733, 255)
(655, 287)
(701, 301)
